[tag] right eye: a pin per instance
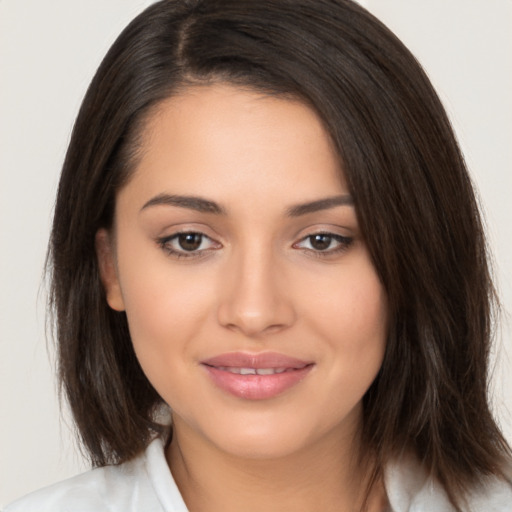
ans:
(187, 244)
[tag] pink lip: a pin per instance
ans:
(256, 387)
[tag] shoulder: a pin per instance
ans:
(493, 495)
(144, 483)
(410, 489)
(96, 490)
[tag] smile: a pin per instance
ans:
(254, 371)
(256, 376)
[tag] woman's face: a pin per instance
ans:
(253, 306)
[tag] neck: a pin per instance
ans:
(324, 477)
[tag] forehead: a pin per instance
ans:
(244, 140)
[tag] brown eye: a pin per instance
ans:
(188, 244)
(190, 241)
(320, 242)
(324, 244)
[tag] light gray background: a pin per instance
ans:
(49, 51)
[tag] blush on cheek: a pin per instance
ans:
(163, 313)
(368, 299)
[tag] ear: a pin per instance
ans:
(105, 252)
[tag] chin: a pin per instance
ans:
(264, 447)
(266, 436)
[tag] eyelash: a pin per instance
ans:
(344, 242)
(165, 244)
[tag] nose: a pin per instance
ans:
(254, 298)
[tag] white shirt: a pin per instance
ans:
(145, 484)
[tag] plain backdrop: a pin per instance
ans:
(49, 51)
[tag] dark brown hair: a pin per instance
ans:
(414, 202)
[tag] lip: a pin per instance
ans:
(256, 387)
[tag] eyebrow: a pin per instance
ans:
(319, 205)
(206, 206)
(191, 202)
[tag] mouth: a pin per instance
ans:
(256, 376)
(254, 371)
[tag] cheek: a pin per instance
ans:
(364, 308)
(351, 313)
(165, 305)
(354, 303)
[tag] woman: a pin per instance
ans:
(265, 225)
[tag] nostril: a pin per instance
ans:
(252, 299)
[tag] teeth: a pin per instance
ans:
(253, 371)
(265, 371)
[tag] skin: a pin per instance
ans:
(257, 282)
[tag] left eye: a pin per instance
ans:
(324, 242)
